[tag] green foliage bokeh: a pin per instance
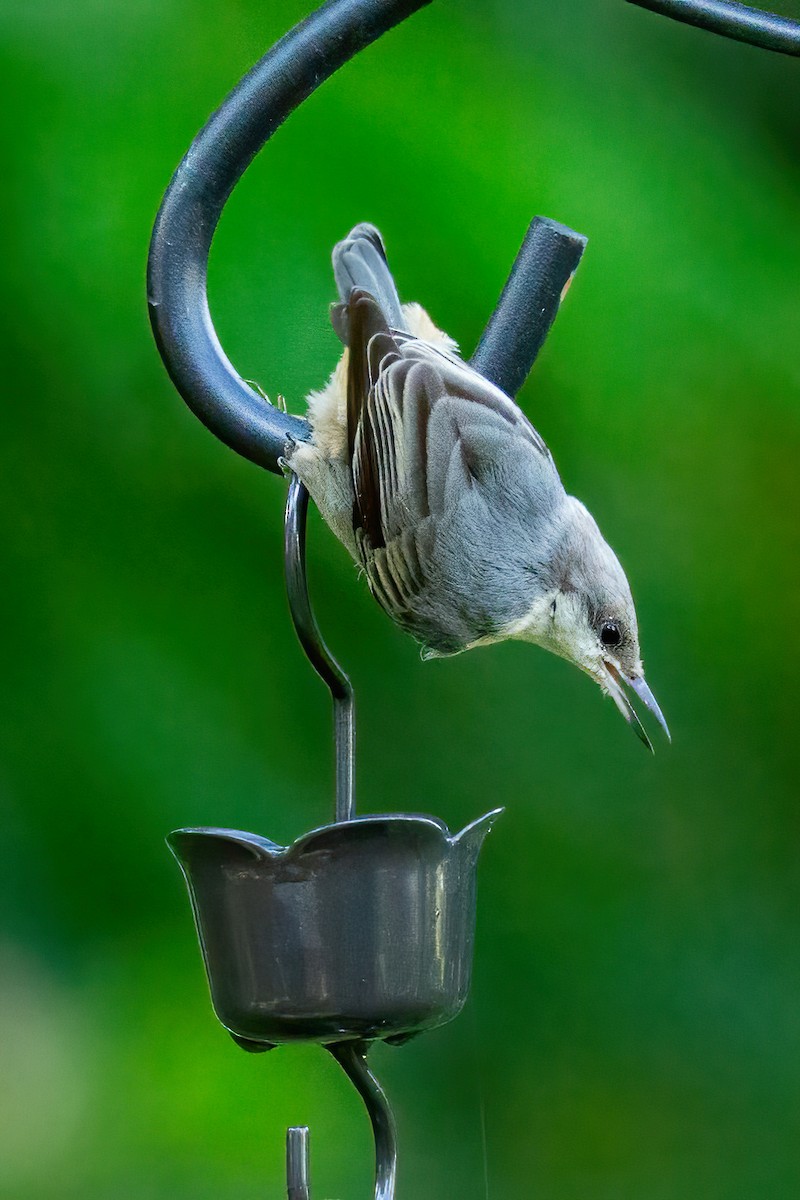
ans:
(634, 1031)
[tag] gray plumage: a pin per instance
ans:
(440, 487)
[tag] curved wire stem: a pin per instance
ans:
(732, 20)
(352, 1058)
(320, 657)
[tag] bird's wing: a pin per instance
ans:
(428, 439)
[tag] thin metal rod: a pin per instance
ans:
(352, 1058)
(540, 276)
(318, 654)
(297, 1163)
(732, 20)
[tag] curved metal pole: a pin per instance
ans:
(738, 21)
(352, 1058)
(247, 118)
(191, 208)
(320, 657)
(531, 298)
(200, 187)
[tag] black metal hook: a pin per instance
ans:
(352, 1058)
(200, 187)
(730, 19)
(247, 118)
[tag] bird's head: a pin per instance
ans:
(585, 613)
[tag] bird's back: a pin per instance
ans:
(450, 487)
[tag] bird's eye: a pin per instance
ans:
(610, 633)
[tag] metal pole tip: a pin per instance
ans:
(297, 1162)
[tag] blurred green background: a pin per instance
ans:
(634, 1030)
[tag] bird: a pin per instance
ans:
(449, 500)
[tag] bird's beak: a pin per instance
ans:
(611, 680)
(638, 685)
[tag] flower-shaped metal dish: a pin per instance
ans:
(361, 929)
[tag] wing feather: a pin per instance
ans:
(428, 437)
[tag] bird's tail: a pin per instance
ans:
(359, 262)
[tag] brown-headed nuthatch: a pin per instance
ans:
(442, 490)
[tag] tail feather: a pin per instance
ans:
(359, 262)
